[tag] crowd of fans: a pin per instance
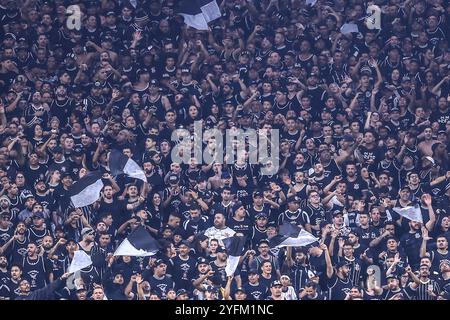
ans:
(364, 126)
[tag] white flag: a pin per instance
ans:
(349, 28)
(411, 213)
(80, 261)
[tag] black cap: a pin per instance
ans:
(77, 151)
(185, 71)
(225, 175)
(201, 260)
(253, 271)
(181, 292)
(221, 249)
(185, 243)
(57, 149)
(275, 283)
(38, 180)
(174, 179)
(341, 263)
(106, 38)
(261, 215)
(240, 290)
(258, 193)
(392, 276)
(141, 71)
(293, 199)
(66, 174)
(337, 212)
(159, 262)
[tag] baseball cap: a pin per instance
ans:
(292, 199)
(405, 187)
(237, 205)
(406, 78)
(77, 151)
(340, 264)
(261, 215)
(225, 175)
(185, 71)
(185, 243)
(28, 195)
(57, 149)
(86, 230)
(173, 179)
(253, 271)
(181, 292)
(38, 214)
(38, 180)
(201, 260)
(337, 212)
(392, 276)
(220, 249)
(257, 194)
(65, 175)
(240, 289)
(159, 262)
(275, 283)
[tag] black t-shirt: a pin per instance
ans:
(367, 235)
(244, 226)
(162, 285)
(338, 288)
(405, 293)
(374, 155)
(355, 187)
(182, 272)
(5, 235)
(316, 216)
(118, 209)
(37, 236)
(255, 292)
(298, 217)
(411, 243)
(5, 291)
(36, 272)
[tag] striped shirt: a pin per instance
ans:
(355, 266)
(422, 292)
